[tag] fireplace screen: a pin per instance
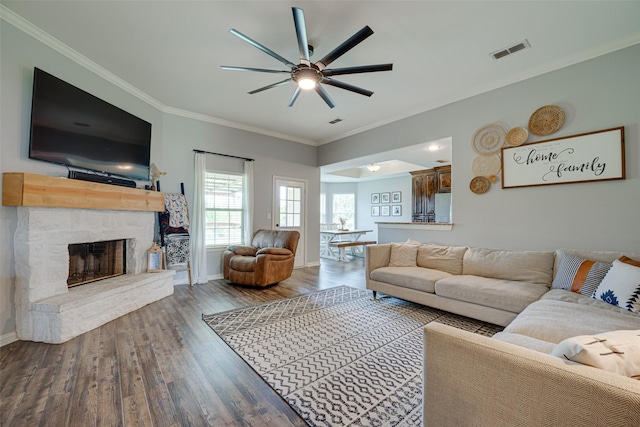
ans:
(89, 262)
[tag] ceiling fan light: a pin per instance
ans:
(306, 83)
(373, 168)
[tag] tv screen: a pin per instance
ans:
(74, 128)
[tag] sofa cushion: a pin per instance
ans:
(574, 298)
(615, 351)
(241, 263)
(403, 255)
(525, 341)
(555, 321)
(621, 286)
(505, 295)
(445, 258)
(523, 266)
(579, 275)
(418, 278)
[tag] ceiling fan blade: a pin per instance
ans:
(270, 86)
(347, 86)
(263, 48)
(294, 96)
(355, 70)
(344, 47)
(260, 70)
(325, 96)
(301, 33)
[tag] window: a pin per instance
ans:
(290, 206)
(224, 208)
(344, 206)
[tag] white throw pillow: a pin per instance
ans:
(615, 351)
(403, 255)
(621, 286)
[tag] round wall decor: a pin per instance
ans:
(546, 120)
(517, 136)
(479, 184)
(486, 165)
(488, 139)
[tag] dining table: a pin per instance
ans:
(332, 236)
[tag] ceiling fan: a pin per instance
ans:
(308, 75)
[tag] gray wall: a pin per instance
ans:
(597, 94)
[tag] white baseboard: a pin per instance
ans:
(313, 264)
(8, 338)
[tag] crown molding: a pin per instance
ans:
(235, 125)
(28, 28)
(592, 53)
(47, 39)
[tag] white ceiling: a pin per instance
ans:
(171, 52)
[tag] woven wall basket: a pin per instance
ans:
(546, 120)
(517, 136)
(488, 139)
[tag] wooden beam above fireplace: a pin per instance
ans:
(25, 189)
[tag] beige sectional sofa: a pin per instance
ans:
(509, 379)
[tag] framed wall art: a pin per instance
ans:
(396, 196)
(375, 198)
(384, 210)
(594, 156)
(396, 210)
(375, 210)
(385, 197)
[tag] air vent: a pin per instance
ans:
(442, 161)
(334, 121)
(511, 49)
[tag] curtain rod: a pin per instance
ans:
(225, 155)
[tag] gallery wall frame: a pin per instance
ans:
(375, 210)
(396, 210)
(586, 157)
(396, 196)
(375, 198)
(385, 210)
(385, 197)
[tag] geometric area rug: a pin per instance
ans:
(337, 356)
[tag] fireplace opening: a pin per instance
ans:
(89, 262)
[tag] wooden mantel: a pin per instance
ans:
(25, 189)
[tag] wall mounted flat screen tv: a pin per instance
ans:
(74, 128)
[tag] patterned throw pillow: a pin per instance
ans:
(621, 286)
(615, 351)
(403, 255)
(579, 275)
(629, 261)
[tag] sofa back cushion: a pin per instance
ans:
(523, 266)
(443, 258)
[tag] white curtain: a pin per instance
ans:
(198, 239)
(248, 201)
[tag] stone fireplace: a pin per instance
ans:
(53, 213)
(46, 308)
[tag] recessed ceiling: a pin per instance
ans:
(393, 163)
(172, 51)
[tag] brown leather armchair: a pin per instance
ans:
(268, 260)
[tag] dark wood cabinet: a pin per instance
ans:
(444, 178)
(424, 186)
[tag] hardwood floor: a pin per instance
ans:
(158, 366)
